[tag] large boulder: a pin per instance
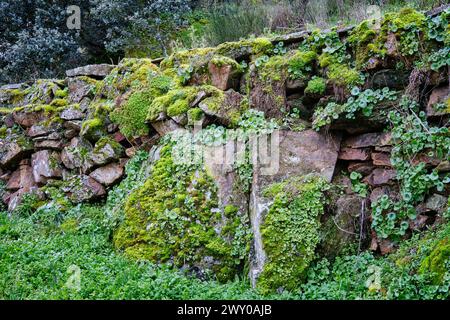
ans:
(191, 217)
(300, 153)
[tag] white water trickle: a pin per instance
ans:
(256, 210)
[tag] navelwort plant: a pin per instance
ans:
(412, 136)
(363, 102)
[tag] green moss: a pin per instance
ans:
(3, 132)
(253, 47)
(301, 63)
(178, 107)
(174, 217)
(316, 85)
(131, 115)
(106, 140)
(360, 38)
(186, 57)
(220, 61)
(290, 231)
(437, 263)
(6, 111)
(404, 19)
(343, 75)
(194, 114)
(16, 96)
(230, 210)
(340, 73)
(92, 129)
(161, 84)
(275, 69)
(69, 225)
(62, 93)
(131, 73)
(178, 101)
(59, 102)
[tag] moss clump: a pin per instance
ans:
(103, 141)
(194, 114)
(360, 38)
(178, 101)
(131, 115)
(59, 103)
(301, 63)
(161, 84)
(61, 93)
(250, 47)
(437, 263)
(340, 73)
(178, 107)
(92, 129)
(187, 57)
(316, 85)
(290, 231)
(131, 73)
(175, 218)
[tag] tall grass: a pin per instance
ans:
(231, 20)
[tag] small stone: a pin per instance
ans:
(381, 159)
(386, 246)
(78, 89)
(108, 175)
(223, 77)
(38, 130)
(419, 222)
(71, 113)
(368, 140)
(92, 70)
(106, 153)
(436, 203)
(392, 45)
(49, 144)
(380, 177)
(74, 125)
(83, 188)
(438, 95)
(165, 126)
(12, 151)
(354, 154)
(363, 168)
(130, 152)
(444, 166)
(230, 106)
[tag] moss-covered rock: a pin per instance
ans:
(176, 217)
(437, 263)
(290, 231)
